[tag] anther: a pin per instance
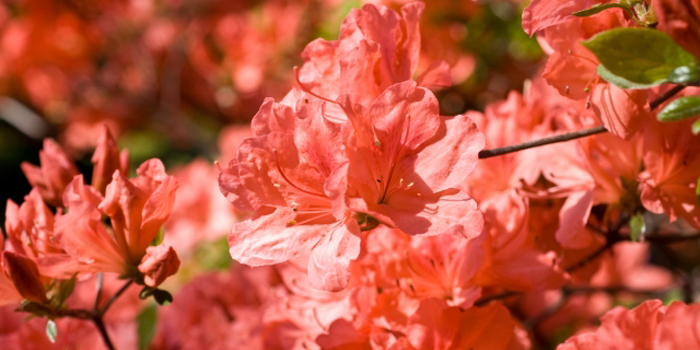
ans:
(276, 185)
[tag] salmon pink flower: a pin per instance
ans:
(672, 161)
(8, 292)
(376, 48)
(281, 174)
(137, 209)
(24, 274)
(648, 326)
(436, 326)
(405, 163)
(159, 263)
(56, 171)
(680, 19)
(107, 159)
(541, 14)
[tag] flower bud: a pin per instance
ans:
(24, 274)
(159, 263)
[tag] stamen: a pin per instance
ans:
(279, 169)
(307, 90)
(395, 156)
(311, 219)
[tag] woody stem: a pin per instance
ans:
(665, 96)
(488, 153)
(97, 319)
(115, 296)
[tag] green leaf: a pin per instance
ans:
(163, 297)
(697, 189)
(637, 228)
(680, 108)
(158, 239)
(65, 289)
(51, 331)
(146, 325)
(598, 8)
(619, 81)
(696, 127)
(684, 75)
(643, 56)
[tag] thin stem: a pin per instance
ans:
(103, 331)
(610, 290)
(488, 153)
(98, 294)
(485, 300)
(665, 96)
(667, 238)
(115, 296)
(588, 259)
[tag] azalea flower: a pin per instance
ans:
(56, 171)
(309, 195)
(648, 326)
(137, 209)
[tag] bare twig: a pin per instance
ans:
(485, 300)
(98, 294)
(665, 96)
(591, 257)
(115, 296)
(103, 331)
(667, 238)
(488, 153)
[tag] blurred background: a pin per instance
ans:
(168, 76)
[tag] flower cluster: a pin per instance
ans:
(67, 230)
(360, 213)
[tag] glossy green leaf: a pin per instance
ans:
(619, 81)
(642, 56)
(685, 75)
(51, 331)
(146, 325)
(680, 108)
(598, 8)
(637, 228)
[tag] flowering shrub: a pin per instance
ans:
(365, 205)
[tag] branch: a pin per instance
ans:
(103, 331)
(488, 153)
(115, 296)
(610, 290)
(589, 258)
(667, 238)
(98, 293)
(485, 300)
(665, 96)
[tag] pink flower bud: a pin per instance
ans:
(24, 274)
(159, 263)
(107, 160)
(56, 172)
